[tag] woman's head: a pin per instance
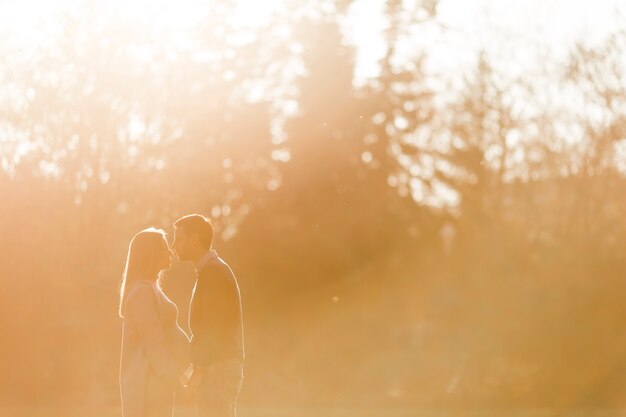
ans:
(148, 254)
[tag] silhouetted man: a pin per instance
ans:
(215, 320)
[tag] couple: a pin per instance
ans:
(156, 353)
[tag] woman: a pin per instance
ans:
(155, 350)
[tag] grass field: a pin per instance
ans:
(315, 412)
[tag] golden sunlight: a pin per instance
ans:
(23, 20)
(164, 15)
(168, 15)
(312, 208)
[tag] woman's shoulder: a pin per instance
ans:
(144, 284)
(161, 293)
(140, 289)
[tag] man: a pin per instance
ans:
(215, 320)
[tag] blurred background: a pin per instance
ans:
(423, 200)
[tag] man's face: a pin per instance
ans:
(182, 245)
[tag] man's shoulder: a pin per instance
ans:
(216, 267)
(217, 270)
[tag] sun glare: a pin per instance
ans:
(28, 20)
(254, 13)
(23, 20)
(168, 15)
(165, 15)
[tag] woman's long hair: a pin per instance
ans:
(141, 263)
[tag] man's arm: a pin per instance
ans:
(200, 319)
(213, 315)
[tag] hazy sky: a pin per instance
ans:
(510, 30)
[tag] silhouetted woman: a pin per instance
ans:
(154, 348)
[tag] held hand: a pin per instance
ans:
(180, 389)
(176, 385)
(195, 379)
(186, 394)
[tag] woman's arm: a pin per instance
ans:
(143, 313)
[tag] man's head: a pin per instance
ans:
(193, 237)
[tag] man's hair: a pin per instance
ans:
(196, 224)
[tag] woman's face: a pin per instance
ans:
(165, 257)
